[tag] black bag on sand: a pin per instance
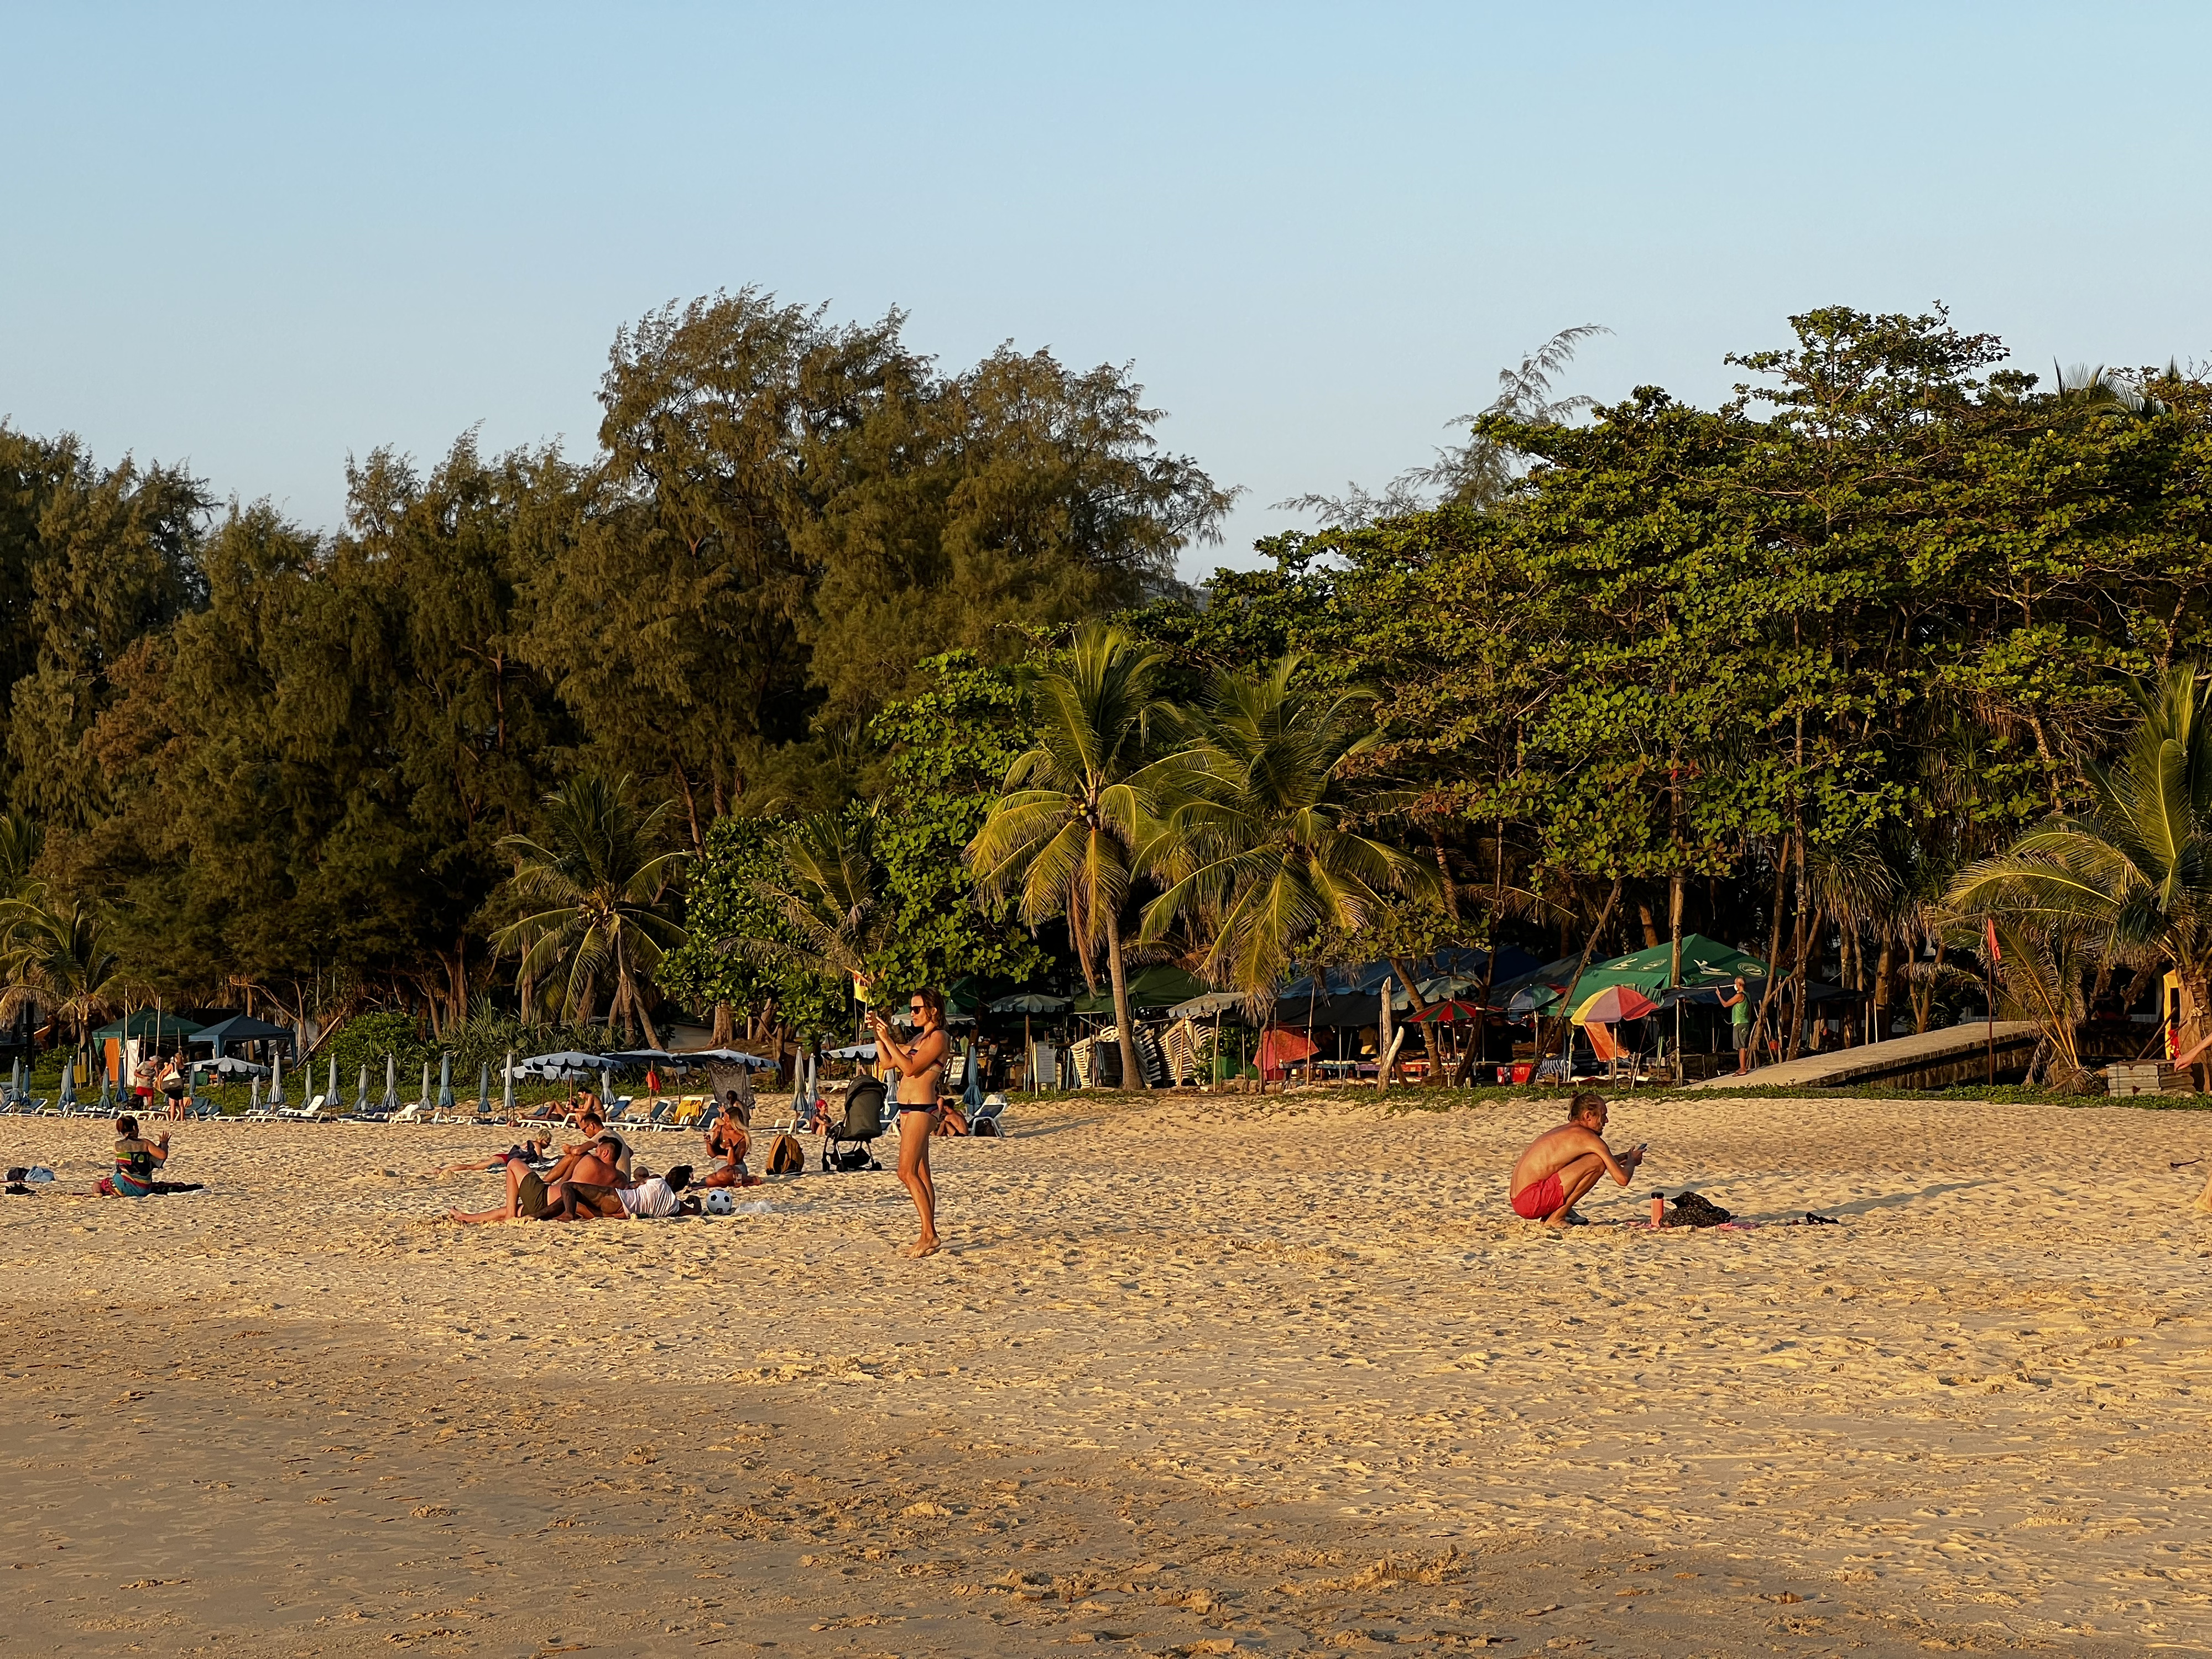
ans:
(1692, 1211)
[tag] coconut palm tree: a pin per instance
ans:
(828, 891)
(2133, 868)
(1077, 810)
(1257, 840)
(595, 896)
(60, 960)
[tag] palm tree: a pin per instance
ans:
(1257, 843)
(2132, 869)
(1077, 809)
(827, 893)
(60, 960)
(595, 896)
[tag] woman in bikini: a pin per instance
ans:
(919, 1065)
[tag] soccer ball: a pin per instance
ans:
(719, 1200)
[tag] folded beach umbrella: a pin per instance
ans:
(444, 1081)
(68, 1101)
(15, 1083)
(1614, 1004)
(391, 1082)
(253, 1105)
(331, 1091)
(276, 1079)
(424, 1097)
(972, 1095)
(361, 1092)
(506, 1085)
(107, 1094)
(484, 1087)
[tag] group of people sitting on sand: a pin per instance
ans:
(596, 1177)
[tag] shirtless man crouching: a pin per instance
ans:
(1562, 1164)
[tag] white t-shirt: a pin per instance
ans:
(649, 1198)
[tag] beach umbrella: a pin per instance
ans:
(1614, 1004)
(107, 1094)
(506, 1083)
(361, 1090)
(484, 1087)
(424, 1097)
(444, 1081)
(331, 1087)
(606, 1087)
(16, 1083)
(254, 1105)
(276, 1079)
(1451, 1008)
(391, 1082)
(972, 1095)
(68, 1101)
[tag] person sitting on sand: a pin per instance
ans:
(1562, 1164)
(727, 1142)
(652, 1197)
(529, 1194)
(136, 1160)
(595, 1130)
(538, 1149)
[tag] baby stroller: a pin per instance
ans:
(849, 1143)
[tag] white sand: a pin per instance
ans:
(1983, 1394)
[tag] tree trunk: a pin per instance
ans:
(1420, 1004)
(1567, 1005)
(1884, 974)
(1133, 1074)
(725, 1028)
(1773, 948)
(1649, 924)
(1675, 929)
(1386, 1051)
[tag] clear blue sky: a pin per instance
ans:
(259, 239)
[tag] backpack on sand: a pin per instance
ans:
(785, 1157)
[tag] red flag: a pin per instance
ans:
(1989, 923)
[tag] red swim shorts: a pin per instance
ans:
(1539, 1198)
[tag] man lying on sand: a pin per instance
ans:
(1561, 1164)
(537, 1149)
(653, 1196)
(595, 1130)
(528, 1193)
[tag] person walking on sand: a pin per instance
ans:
(1561, 1164)
(919, 1066)
(1738, 1008)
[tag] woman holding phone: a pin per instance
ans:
(919, 1066)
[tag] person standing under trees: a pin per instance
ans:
(921, 1068)
(1738, 1008)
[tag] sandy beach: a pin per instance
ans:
(1193, 1376)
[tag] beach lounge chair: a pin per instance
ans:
(688, 1112)
(862, 1122)
(988, 1119)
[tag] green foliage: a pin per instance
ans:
(952, 747)
(366, 1039)
(728, 911)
